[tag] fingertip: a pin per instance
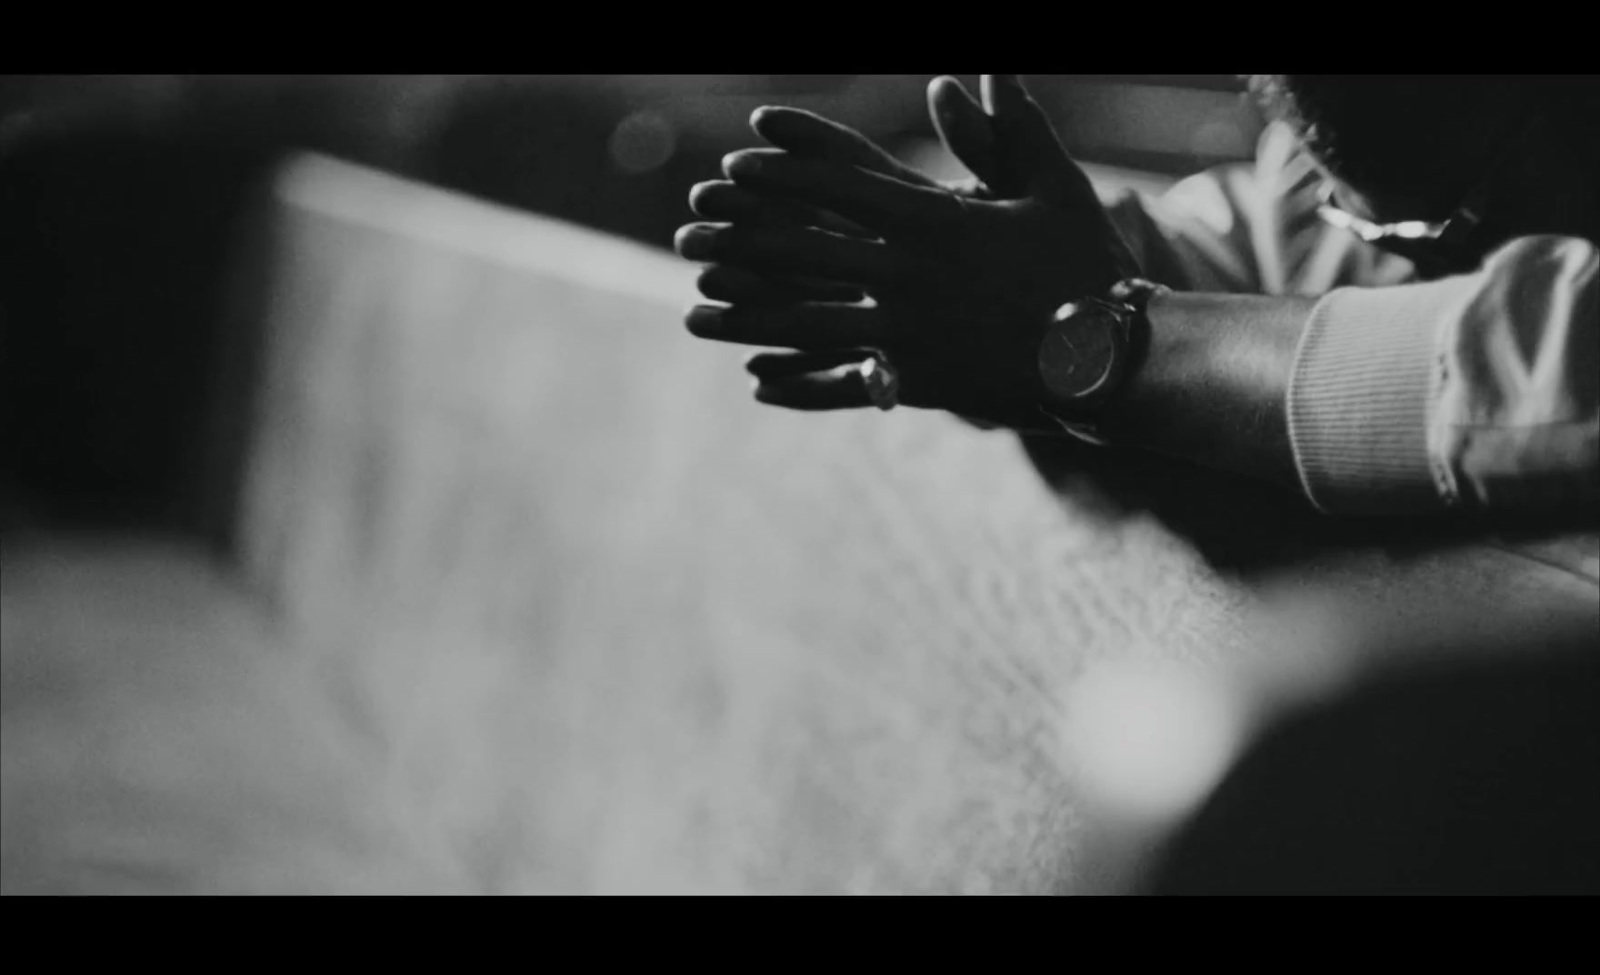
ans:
(793, 128)
(1000, 90)
(681, 237)
(704, 320)
(952, 104)
(769, 113)
(744, 164)
(699, 191)
(694, 241)
(940, 90)
(986, 91)
(716, 200)
(770, 121)
(759, 367)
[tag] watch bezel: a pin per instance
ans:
(1115, 319)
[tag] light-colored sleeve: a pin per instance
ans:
(1476, 391)
(1472, 392)
(1249, 228)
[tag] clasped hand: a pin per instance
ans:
(827, 247)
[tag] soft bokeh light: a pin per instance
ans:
(642, 142)
(1150, 742)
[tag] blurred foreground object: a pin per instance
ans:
(1478, 777)
(1376, 752)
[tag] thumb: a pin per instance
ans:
(1027, 147)
(969, 134)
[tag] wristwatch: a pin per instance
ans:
(1089, 350)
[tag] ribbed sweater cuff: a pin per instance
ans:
(1359, 397)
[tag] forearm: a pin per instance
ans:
(1213, 385)
(1476, 392)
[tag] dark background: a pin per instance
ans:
(616, 152)
(121, 196)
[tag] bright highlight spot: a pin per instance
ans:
(1150, 744)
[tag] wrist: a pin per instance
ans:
(1212, 388)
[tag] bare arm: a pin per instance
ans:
(1214, 386)
(1476, 391)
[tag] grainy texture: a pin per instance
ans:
(535, 599)
(729, 648)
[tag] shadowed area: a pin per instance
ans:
(1461, 780)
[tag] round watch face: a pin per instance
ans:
(1079, 352)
